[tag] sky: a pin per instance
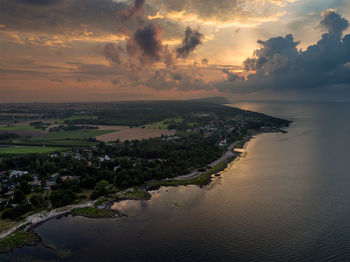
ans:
(113, 50)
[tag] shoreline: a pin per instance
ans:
(194, 178)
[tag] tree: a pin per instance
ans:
(19, 196)
(102, 188)
(36, 200)
(62, 197)
(25, 187)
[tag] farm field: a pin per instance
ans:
(163, 124)
(19, 128)
(18, 150)
(134, 134)
(72, 118)
(72, 135)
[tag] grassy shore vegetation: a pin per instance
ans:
(202, 180)
(135, 194)
(94, 212)
(17, 240)
(6, 224)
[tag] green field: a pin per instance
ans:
(72, 118)
(18, 150)
(19, 128)
(72, 135)
(162, 124)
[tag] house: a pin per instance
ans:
(55, 176)
(35, 183)
(9, 193)
(49, 184)
(105, 158)
(35, 177)
(17, 173)
(64, 178)
(222, 143)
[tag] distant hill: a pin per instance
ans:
(215, 100)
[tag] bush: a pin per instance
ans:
(15, 212)
(36, 200)
(62, 198)
(102, 188)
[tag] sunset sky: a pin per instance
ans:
(109, 50)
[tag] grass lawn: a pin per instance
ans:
(19, 128)
(18, 150)
(5, 224)
(72, 135)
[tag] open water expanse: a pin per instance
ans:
(286, 199)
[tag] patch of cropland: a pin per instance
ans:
(72, 135)
(19, 150)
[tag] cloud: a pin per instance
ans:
(279, 65)
(112, 53)
(148, 40)
(133, 11)
(65, 17)
(220, 12)
(189, 43)
(269, 57)
(334, 22)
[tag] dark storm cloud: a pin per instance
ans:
(38, 2)
(189, 43)
(271, 51)
(280, 65)
(132, 11)
(62, 17)
(148, 40)
(334, 22)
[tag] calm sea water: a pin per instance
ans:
(286, 199)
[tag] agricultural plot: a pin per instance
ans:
(163, 124)
(72, 135)
(134, 134)
(19, 128)
(73, 118)
(19, 150)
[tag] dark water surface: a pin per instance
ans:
(287, 199)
